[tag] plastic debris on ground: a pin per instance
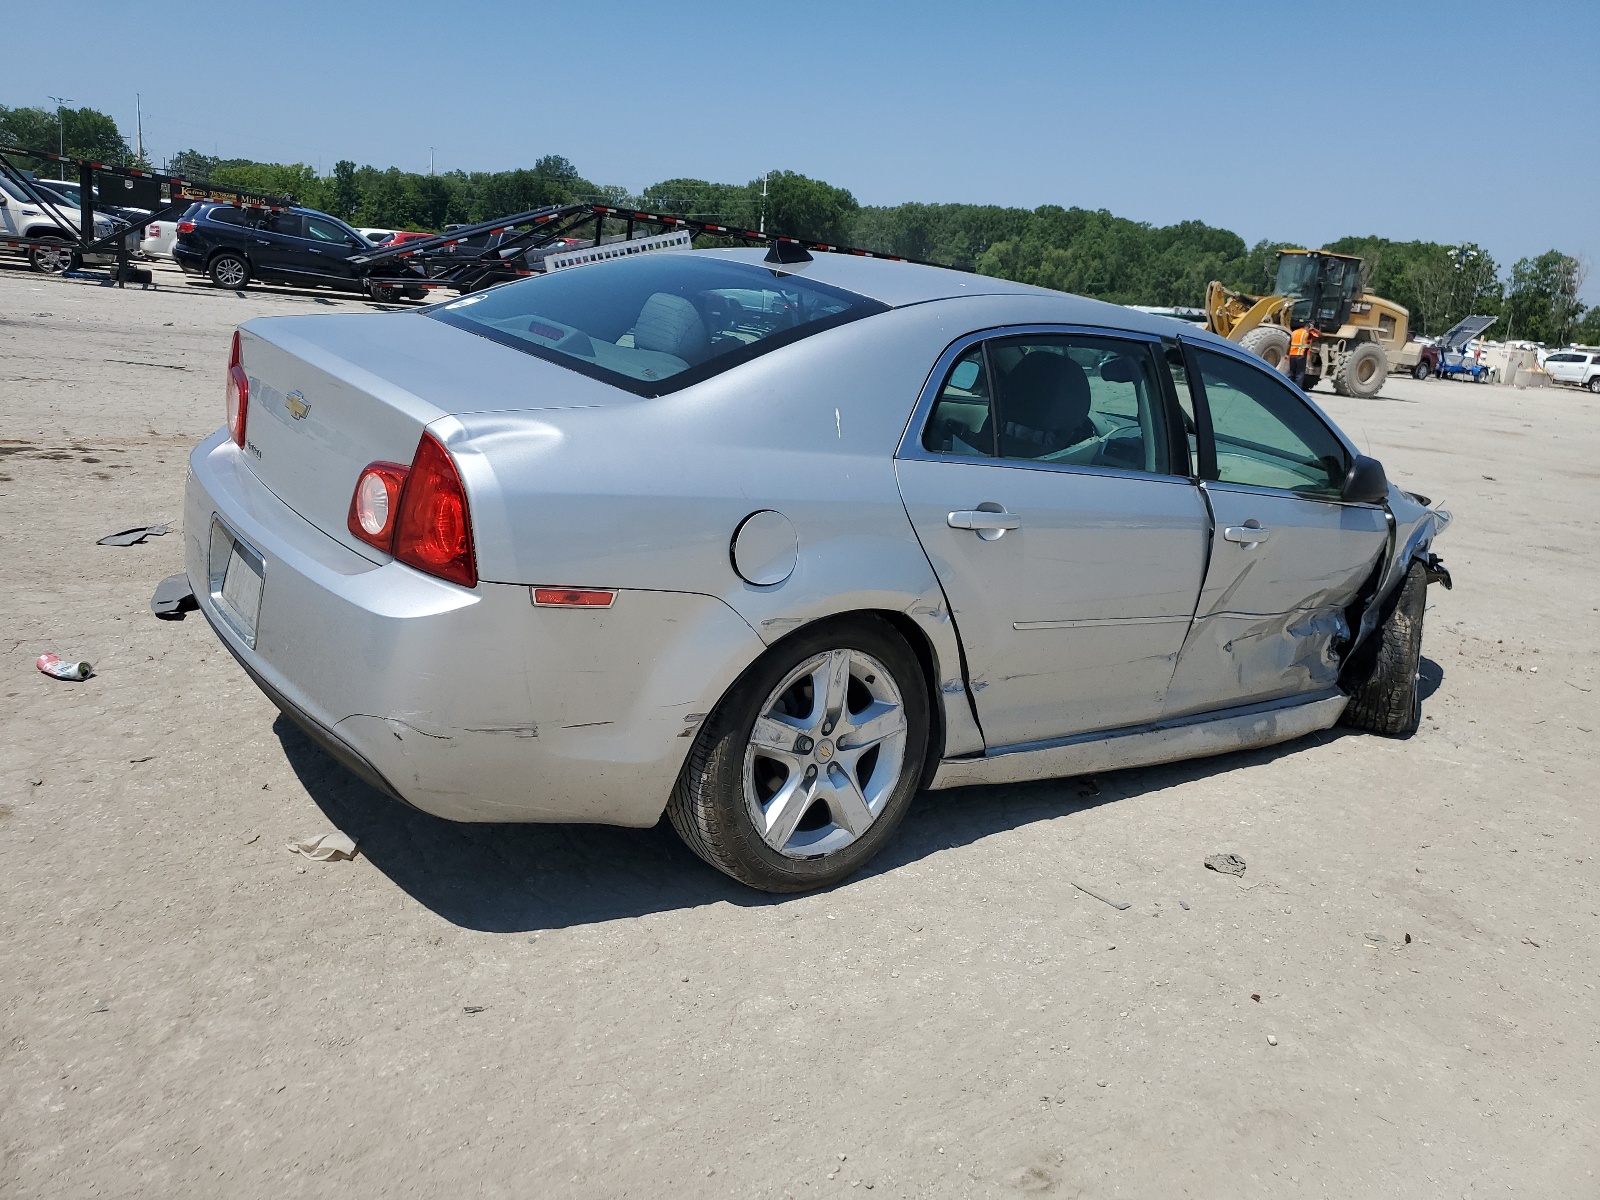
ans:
(173, 598)
(132, 537)
(57, 667)
(1227, 864)
(325, 847)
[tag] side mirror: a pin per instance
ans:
(1366, 483)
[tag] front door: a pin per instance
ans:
(1042, 484)
(1287, 555)
(329, 247)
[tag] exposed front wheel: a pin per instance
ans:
(53, 257)
(1389, 700)
(810, 761)
(229, 271)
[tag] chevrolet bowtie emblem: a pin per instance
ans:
(297, 406)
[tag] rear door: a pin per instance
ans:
(1287, 555)
(1039, 474)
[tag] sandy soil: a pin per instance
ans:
(516, 1011)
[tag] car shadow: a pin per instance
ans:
(505, 878)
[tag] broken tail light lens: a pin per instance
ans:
(375, 505)
(237, 404)
(433, 531)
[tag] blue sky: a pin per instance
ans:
(1448, 122)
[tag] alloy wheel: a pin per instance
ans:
(229, 272)
(825, 754)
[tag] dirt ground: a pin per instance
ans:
(506, 1011)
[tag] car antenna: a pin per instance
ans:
(787, 250)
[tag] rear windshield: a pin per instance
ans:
(655, 323)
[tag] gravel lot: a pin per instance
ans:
(539, 1011)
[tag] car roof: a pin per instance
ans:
(899, 284)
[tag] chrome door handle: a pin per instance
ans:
(1246, 535)
(988, 524)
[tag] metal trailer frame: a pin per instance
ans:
(439, 262)
(181, 193)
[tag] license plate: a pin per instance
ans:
(238, 575)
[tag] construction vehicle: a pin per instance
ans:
(1362, 335)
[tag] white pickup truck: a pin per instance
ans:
(22, 216)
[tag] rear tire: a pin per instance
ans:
(1389, 702)
(1269, 343)
(229, 271)
(1594, 385)
(55, 257)
(1421, 371)
(796, 779)
(1362, 371)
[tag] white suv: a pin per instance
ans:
(21, 216)
(1580, 367)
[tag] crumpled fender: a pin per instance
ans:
(1413, 524)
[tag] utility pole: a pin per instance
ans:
(762, 228)
(138, 123)
(430, 160)
(61, 130)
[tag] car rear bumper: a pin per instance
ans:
(473, 705)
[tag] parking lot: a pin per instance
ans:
(1397, 998)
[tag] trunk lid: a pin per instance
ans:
(331, 394)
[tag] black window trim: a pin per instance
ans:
(911, 447)
(651, 389)
(1208, 445)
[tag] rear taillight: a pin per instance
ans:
(418, 514)
(151, 231)
(375, 506)
(238, 401)
(185, 227)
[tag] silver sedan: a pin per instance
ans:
(772, 546)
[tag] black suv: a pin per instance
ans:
(299, 246)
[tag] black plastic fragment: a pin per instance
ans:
(132, 537)
(173, 598)
(788, 252)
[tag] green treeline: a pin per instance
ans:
(1089, 252)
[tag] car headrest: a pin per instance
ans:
(671, 325)
(1048, 392)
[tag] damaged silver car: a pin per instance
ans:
(772, 546)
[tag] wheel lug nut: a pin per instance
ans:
(803, 744)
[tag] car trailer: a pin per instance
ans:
(166, 196)
(473, 257)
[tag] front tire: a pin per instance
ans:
(1362, 371)
(810, 761)
(229, 271)
(1389, 702)
(55, 257)
(1269, 343)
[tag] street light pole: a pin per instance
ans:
(61, 128)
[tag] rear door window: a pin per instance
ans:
(227, 216)
(1068, 400)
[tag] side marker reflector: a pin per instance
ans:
(558, 597)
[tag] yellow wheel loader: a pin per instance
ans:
(1362, 335)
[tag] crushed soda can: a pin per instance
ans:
(54, 666)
